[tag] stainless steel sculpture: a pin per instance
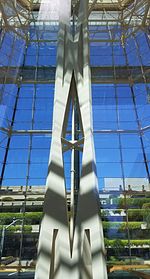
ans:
(72, 249)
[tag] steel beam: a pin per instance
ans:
(49, 132)
(99, 74)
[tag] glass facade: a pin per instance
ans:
(120, 67)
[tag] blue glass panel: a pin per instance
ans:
(17, 156)
(134, 170)
(107, 155)
(38, 170)
(130, 141)
(15, 171)
(39, 155)
(132, 155)
(109, 170)
(126, 115)
(106, 141)
(123, 91)
(103, 115)
(19, 142)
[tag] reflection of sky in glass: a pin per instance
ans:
(55, 10)
(115, 107)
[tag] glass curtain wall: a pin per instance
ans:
(121, 116)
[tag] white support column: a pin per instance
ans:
(73, 250)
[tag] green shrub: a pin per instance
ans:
(140, 242)
(137, 214)
(12, 228)
(7, 218)
(33, 217)
(121, 226)
(146, 205)
(124, 242)
(17, 208)
(112, 258)
(30, 217)
(147, 219)
(7, 199)
(40, 199)
(130, 202)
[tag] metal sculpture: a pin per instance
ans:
(72, 249)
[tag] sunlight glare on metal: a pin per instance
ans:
(55, 10)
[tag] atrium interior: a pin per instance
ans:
(116, 47)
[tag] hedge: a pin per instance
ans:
(26, 228)
(121, 226)
(7, 199)
(130, 202)
(16, 208)
(133, 214)
(31, 218)
(114, 243)
(138, 214)
(146, 205)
